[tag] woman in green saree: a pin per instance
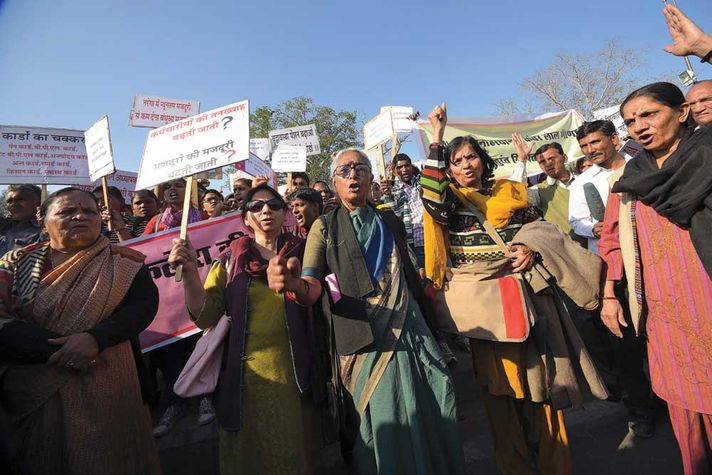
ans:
(397, 399)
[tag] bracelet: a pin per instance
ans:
(609, 298)
(291, 296)
(706, 58)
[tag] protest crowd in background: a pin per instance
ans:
(331, 310)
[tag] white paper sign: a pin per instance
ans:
(304, 135)
(197, 144)
(123, 180)
(289, 158)
(400, 114)
(260, 148)
(154, 111)
(613, 114)
(41, 155)
(100, 156)
(378, 130)
(251, 168)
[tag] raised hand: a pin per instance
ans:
(438, 119)
(687, 38)
(523, 148)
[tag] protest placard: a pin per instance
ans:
(42, 155)
(260, 148)
(253, 166)
(153, 111)
(200, 143)
(100, 156)
(304, 135)
(378, 130)
(613, 114)
(289, 158)
(210, 238)
(401, 118)
(123, 180)
(496, 136)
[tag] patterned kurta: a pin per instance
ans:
(677, 292)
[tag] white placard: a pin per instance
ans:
(613, 114)
(197, 144)
(378, 130)
(260, 148)
(400, 114)
(251, 168)
(123, 180)
(41, 155)
(303, 135)
(289, 158)
(154, 111)
(100, 156)
(374, 157)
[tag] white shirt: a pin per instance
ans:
(579, 215)
(520, 174)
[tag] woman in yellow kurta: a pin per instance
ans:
(268, 424)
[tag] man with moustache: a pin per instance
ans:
(20, 228)
(620, 360)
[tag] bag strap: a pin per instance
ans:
(491, 231)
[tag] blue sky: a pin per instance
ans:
(67, 63)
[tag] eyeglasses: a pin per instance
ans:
(256, 206)
(344, 171)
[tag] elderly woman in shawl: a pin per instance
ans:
(656, 237)
(70, 311)
(524, 384)
(398, 399)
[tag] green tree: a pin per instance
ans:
(336, 129)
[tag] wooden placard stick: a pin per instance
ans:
(190, 181)
(43, 193)
(105, 191)
(289, 183)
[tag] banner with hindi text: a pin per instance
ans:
(495, 135)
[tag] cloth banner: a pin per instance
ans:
(495, 135)
(210, 238)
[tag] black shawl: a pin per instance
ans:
(681, 190)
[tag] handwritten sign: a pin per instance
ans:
(197, 144)
(123, 180)
(253, 167)
(289, 158)
(260, 148)
(378, 130)
(40, 155)
(153, 111)
(100, 156)
(304, 135)
(400, 116)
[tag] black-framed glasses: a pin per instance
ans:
(274, 204)
(360, 169)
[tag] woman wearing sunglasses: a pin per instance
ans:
(397, 399)
(268, 424)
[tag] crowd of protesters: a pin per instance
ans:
(340, 328)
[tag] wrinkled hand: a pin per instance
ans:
(522, 257)
(597, 228)
(523, 148)
(330, 204)
(78, 349)
(284, 275)
(687, 38)
(612, 316)
(438, 119)
(183, 253)
(112, 216)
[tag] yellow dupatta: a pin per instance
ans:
(507, 197)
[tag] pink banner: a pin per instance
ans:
(210, 238)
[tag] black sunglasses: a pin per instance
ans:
(255, 206)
